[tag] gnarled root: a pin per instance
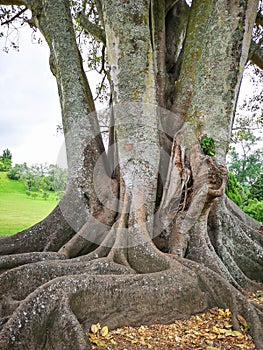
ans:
(58, 313)
(69, 305)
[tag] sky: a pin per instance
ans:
(29, 103)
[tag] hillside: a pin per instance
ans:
(17, 210)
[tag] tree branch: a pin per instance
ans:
(259, 19)
(100, 12)
(256, 54)
(17, 15)
(92, 28)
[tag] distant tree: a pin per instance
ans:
(6, 160)
(57, 180)
(39, 177)
(16, 171)
(7, 154)
(254, 208)
(246, 156)
(246, 153)
(256, 189)
(2, 166)
(234, 189)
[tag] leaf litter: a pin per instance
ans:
(212, 330)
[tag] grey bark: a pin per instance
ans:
(130, 54)
(212, 68)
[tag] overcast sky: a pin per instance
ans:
(29, 104)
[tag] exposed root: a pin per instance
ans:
(118, 252)
(10, 261)
(58, 313)
(93, 232)
(226, 296)
(111, 300)
(68, 329)
(237, 245)
(13, 291)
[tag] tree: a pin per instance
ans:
(246, 165)
(254, 208)
(246, 146)
(102, 254)
(256, 190)
(6, 160)
(16, 171)
(39, 177)
(253, 205)
(7, 154)
(57, 180)
(234, 189)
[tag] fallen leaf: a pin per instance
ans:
(231, 333)
(227, 325)
(95, 328)
(222, 312)
(134, 341)
(237, 334)
(215, 330)
(96, 341)
(104, 331)
(209, 331)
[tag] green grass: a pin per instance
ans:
(19, 211)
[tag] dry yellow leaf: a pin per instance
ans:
(227, 312)
(212, 337)
(237, 334)
(242, 346)
(215, 330)
(222, 312)
(95, 328)
(211, 348)
(227, 325)
(96, 341)
(222, 330)
(104, 331)
(233, 333)
(134, 341)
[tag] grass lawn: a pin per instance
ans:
(19, 211)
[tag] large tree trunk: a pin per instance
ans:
(151, 236)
